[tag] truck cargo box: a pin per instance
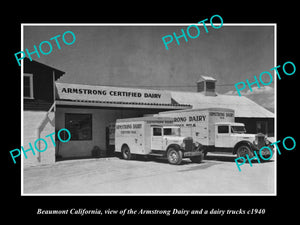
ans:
(199, 123)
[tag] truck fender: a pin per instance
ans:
(177, 147)
(237, 145)
(124, 145)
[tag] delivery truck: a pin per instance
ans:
(215, 130)
(154, 136)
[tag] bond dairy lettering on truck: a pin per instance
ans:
(190, 118)
(46, 50)
(180, 119)
(197, 118)
(202, 117)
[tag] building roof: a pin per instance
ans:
(29, 64)
(242, 106)
(122, 104)
(200, 109)
(206, 78)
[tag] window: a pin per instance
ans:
(28, 86)
(201, 86)
(156, 131)
(261, 127)
(210, 86)
(238, 129)
(174, 131)
(223, 129)
(79, 125)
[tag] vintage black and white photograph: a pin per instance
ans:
(148, 109)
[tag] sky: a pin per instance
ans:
(135, 56)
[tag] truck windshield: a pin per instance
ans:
(172, 131)
(238, 129)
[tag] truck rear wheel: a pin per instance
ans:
(244, 150)
(174, 156)
(126, 152)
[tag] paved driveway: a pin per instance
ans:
(215, 175)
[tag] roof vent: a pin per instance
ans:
(207, 86)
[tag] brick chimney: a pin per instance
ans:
(207, 86)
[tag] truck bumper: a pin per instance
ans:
(265, 152)
(191, 154)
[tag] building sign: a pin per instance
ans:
(111, 94)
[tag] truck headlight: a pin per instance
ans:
(182, 145)
(255, 142)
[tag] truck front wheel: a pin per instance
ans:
(174, 156)
(126, 152)
(244, 150)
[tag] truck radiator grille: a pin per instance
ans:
(188, 144)
(260, 139)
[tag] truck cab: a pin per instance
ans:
(228, 134)
(167, 140)
(233, 137)
(162, 136)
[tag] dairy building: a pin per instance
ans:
(88, 111)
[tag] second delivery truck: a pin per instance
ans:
(216, 131)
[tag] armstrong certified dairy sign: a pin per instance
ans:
(111, 94)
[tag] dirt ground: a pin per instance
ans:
(217, 174)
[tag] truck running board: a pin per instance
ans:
(156, 154)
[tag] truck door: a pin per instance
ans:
(156, 138)
(223, 137)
